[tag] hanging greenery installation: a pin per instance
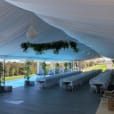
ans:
(55, 46)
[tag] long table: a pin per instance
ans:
(46, 82)
(76, 80)
(102, 79)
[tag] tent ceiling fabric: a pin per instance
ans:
(89, 21)
(14, 23)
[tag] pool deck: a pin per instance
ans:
(32, 100)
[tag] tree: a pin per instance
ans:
(16, 68)
(33, 67)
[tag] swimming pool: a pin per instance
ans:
(20, 82)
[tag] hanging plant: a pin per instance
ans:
(55, 46)
(73, 46)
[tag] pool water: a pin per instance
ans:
(20, 82)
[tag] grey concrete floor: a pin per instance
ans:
(32, 100)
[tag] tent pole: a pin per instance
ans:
(72, 65)
(38, 67)
(54, 67)
(4, 72)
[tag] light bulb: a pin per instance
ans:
(31, 33)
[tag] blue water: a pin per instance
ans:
(20, 82)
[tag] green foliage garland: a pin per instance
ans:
(55, 46)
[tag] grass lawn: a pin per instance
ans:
(14, 77)
(102, 67)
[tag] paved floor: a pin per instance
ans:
(32, 100)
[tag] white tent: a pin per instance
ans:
(90, 22)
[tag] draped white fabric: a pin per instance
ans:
(45, 82)
(103, 78)
(89, 21)
(77, 80)
(14, 25)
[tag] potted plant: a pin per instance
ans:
(66, 66)
(27, 74)
(70, 66)
(56, 68)
(44, 68)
